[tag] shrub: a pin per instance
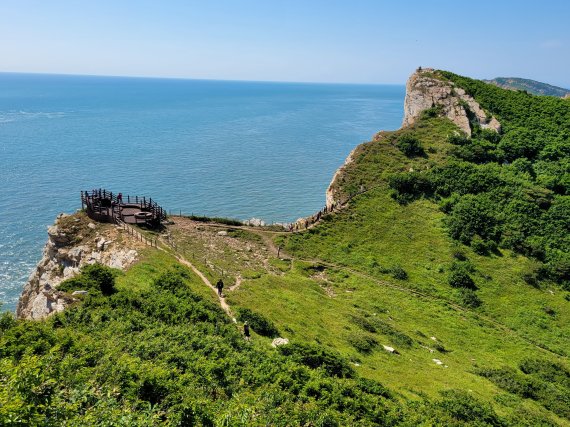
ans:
(315, 356)
(460, 278)
(94, 277)
(410, 186)
(464, 407)
(530, 277)
(373, 387)
(457, 138)
(7, 321)
(435, 111)
(512, 381)
(169, 282)
(479, 245)
(473, 215)
(363, 343)
(460, 255)
(410, 146)
(363, 323)
(219, 220)
(258, 323)
(468, 298)
(399, 273)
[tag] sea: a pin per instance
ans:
(218, 148)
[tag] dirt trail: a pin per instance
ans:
(236, 285)
(203, 277)
(266, 235)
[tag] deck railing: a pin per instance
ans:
(92, 200)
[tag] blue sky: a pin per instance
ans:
(360, 41)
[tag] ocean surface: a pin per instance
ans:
(216, 148)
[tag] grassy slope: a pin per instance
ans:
(373, 235)
(338, 289)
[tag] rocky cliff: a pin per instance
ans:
(426, 89)
(73, 241)
(331, 196)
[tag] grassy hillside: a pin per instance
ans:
(438, 296)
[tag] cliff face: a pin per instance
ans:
(331, 196)
(425, 90)
(73, 241)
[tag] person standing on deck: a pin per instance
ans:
(220, 286)
(120, 198)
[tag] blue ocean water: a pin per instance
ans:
(217, 148)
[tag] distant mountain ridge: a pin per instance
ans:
(531, 86)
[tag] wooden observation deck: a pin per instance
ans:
(105, 206)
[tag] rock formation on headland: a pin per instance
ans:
(73, 241)
(425, 89)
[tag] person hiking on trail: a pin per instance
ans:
(220, 286)
(246, 331)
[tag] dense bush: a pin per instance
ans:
(315, 357)
(473, 215)
(399, 273)
(543, 381)
(460, 278)
(506, 189)
(410, 146)
(468, 298)
(166, 356)
(93, 278)
(363, 343)
(410, 186)
(258, 323)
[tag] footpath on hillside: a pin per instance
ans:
(278, 252)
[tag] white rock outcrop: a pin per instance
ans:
(279, 341)
(331, 197)
(425, 89)
(63, 256)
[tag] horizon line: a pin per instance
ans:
(199, 79)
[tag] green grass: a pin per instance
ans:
(365, 242)
(151, 264)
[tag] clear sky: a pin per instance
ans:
(361, 41)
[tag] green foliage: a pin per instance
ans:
(258, 323)
(94, 278)
(363, 343)
(435, 111)
(410, 146)
(468, 298)
(399, 273)
(315, 356)
(410, 186)
(166, 356)
(218, 220)
(459, 277)
(543, 381)
(463, 407)
(473, 215)
(498, 188)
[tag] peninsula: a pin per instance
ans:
(432, 289)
